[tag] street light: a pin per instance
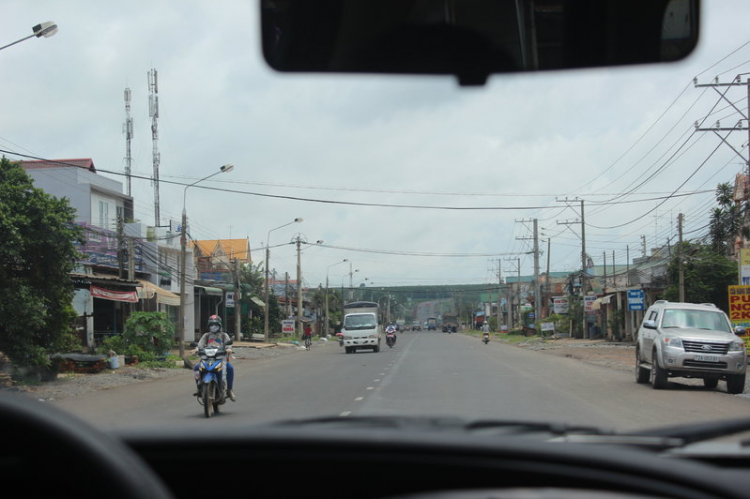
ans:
(265, 290)
(183, 255)
(44, 29)
(326, 324)
(300, 302)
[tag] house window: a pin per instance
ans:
(103, 214)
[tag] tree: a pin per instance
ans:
(707, 275)
(726, 221)
(251, 279)
(37, 254)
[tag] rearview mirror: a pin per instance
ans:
(473, 39)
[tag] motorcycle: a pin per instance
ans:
(486, 338)
(390, 338)
(210, 375)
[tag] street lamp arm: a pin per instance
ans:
(46, 30)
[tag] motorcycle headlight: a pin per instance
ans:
(670, 341)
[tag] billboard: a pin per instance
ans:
(739, 305)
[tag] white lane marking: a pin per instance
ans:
(376, 381)
(359, 399)
(370, 387)
(345, 413)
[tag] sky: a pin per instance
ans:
(514, 149)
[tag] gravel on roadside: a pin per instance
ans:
(73, 384)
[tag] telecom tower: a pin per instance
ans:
(153, 111)
(127, 129)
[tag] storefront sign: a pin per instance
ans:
(561, 305)
(108, 294)
(287, 327)
(739, 305)
(636, 299)
(589, 301)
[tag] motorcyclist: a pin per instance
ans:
(391, 329)
(218, 338)
(486, 331)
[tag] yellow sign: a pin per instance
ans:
(739, 305)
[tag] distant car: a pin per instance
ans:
(416, 326)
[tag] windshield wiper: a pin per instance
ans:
(663, 438)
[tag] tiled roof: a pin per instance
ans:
(233, 248)
(86, 163)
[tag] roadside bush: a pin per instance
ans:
(148, 335)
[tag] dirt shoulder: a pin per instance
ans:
(73, 384)
(615, 355)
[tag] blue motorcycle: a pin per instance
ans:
(211, 390)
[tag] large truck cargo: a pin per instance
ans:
(361, 328)
(450, 323)
(432, 323)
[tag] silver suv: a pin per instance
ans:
(689, 340)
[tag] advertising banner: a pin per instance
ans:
(287, 327)
(739, 305)
(561, 305)
(107, 294)
(589, 301)
(745, 266)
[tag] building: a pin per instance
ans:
(126, 266)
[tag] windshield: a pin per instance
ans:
(354, 322)
(699, 319)
(552, 208)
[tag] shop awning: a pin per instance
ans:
(604, 300)
(149, 290)
(210, 291)
(258, 301)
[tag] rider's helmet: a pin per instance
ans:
(214, 323)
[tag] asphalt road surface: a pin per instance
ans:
(426, 373)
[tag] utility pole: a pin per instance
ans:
(715, 85)
(583, 262)
(681, 271)
(537, 293)
(237, 305)
(299, 287)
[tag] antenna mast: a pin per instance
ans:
(153, 111)
(127, 129)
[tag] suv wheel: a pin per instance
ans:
(736, 383)
(641, 373)
(658, 375)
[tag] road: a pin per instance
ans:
(426, 373)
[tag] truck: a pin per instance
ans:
(450, 323)
(432, 323)
(361, 329)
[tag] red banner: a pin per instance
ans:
(107, 294)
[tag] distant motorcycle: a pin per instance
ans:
(211, 390)
(390, 338)
(486, 338)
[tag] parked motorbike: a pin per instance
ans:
(211, 390)
(390, 339)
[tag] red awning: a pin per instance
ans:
(107, 294)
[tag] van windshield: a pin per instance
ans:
(364, 321)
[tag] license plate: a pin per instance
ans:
(707, 358)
